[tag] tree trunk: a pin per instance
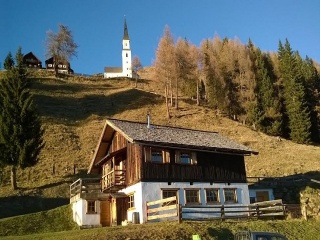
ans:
(198, 97)
(176, 103)
(171, 94)
(167, 105)
(55, 67)
(13, 177)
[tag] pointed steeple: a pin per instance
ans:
(125, 34)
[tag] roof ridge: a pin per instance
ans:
(157, 125)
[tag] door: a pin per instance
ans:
(122, 207)
(105, 212)
(262, 196)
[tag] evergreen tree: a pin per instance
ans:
(20, 127)
(294, 94)
(264, 112)
(312, 87)
(8, 62)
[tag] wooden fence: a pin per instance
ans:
(168, 207)
(163, 208)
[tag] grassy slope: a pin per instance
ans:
(73, 113)
(293, 229)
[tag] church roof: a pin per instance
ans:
(125, 34)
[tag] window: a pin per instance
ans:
(192, 196)
(91, 206)
(126, 54)
(212, 195)
(230, 195)
(166, 193)
(131, 200)
(156, 156)
(186, 157)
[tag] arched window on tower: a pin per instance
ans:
(126, 54)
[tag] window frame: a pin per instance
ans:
(170, 190)
(131, 203)
(192, 157)
(156, 150)
(91, 207)
(235, 197)
(213, 202)
(198, 202)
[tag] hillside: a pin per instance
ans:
(73, 112)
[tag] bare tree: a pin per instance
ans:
(136, 66)
(60, 46)
(165, 64)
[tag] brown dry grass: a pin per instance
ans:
(74, 109)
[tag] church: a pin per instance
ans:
(126, 69)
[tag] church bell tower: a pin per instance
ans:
(126, 53)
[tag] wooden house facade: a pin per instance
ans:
(139, 162)
(63, 67)
(31, 61)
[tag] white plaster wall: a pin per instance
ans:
(79, 209)
(137, 190)
(148, 191)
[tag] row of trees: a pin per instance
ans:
(277, 93)
(21, 134)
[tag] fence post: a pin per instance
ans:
(304, 212)
(222, 213)
(146, 211)
(258, 212)
(179, 209)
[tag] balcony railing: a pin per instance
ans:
(114, 181)
(85, 185)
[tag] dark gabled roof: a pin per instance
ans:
(164, 136)
(113, 69)
(30, 55)
(137, 132)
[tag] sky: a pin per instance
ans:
(97, 26)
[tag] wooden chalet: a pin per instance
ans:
(31, 61)
(139, 162)
(63, 67)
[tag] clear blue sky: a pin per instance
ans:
(97, 26)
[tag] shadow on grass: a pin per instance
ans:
(71, 109)
(20, 205)
(58, 86)
(220, 234)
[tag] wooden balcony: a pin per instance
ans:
(114, 181)
(189, 173)
(85, 188)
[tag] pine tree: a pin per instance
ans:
(312, 86)
(8, 62)
(264, 112)
(20, 127)
(294, 92)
